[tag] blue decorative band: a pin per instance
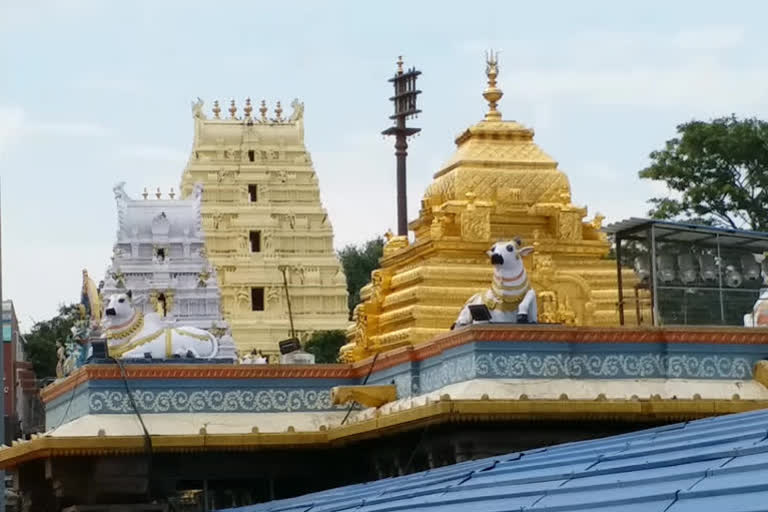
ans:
(177, 401)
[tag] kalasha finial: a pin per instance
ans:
(263, 110)
(279, 113)
(158, 193)
(248, 108)
(216, 109)
(232, 110)
(400, 65)
(145, 194)
(492, 94)
(172, 194)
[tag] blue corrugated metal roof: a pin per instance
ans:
(712, 464)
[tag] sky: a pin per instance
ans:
(93, 93)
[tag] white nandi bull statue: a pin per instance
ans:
(758, 317)
(131, 334)
(510, 299)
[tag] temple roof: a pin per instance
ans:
(254, 124)
(495, 158)
(711, 464)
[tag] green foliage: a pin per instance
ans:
(325, 345)
(717, 171)
(40, 347)
(359, 262)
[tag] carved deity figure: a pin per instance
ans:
(298, 111)
(197, 109)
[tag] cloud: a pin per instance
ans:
(11, 121)
(15, 125)
(99, 83)
(693, 68)
(710, 38)
(153, 153)
(692, 86)
(64, 129)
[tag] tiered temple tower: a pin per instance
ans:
(497, 185)
(265, 224)
(159, 256)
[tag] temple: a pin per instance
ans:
(497, 185)
(266, 229)
(159, 256)
(412, 395)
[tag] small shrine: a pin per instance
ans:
(498, 185)
(159, 255)
(266, 230)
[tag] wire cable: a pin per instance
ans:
(147, 437)
(365, 381)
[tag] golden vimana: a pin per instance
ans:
(262, 214)
(497, 185)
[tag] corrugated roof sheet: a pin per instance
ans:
(711, 464)
(635, 222)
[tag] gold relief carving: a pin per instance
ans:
(381, 281)
(475, 222)
(565, 314)
(243, 299)
(547, 301)
(274, 295)
(437, 228)
(569, 225)
(394, 243)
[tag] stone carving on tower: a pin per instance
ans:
(158, 256)
(498, 184)
(261, 210)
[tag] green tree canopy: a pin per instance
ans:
(325, 345)
(40, 341)
(717, 171)
(358, 262)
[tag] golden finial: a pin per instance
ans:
(232, 110)
(145, 194)
(492, 94)
(400, 65)
(248, 108)
(216, 109)
(263, 110)
(279, 113)
(158, 193)
(172, 194)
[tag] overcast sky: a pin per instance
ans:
(95, 92)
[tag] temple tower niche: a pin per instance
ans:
(498, 184)
(262, 214)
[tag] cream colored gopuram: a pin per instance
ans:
(497, 185)
(262, 215)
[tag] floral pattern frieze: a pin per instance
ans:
(680, 366)
(177, 401)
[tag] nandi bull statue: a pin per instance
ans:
(758, 317)
(510, 299)
(131, 334)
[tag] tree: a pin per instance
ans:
(717, 171)
(359, 262)
(325, 345)
(40, 341)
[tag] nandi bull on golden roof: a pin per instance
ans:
(497, 185)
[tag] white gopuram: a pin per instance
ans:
(159, 256)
